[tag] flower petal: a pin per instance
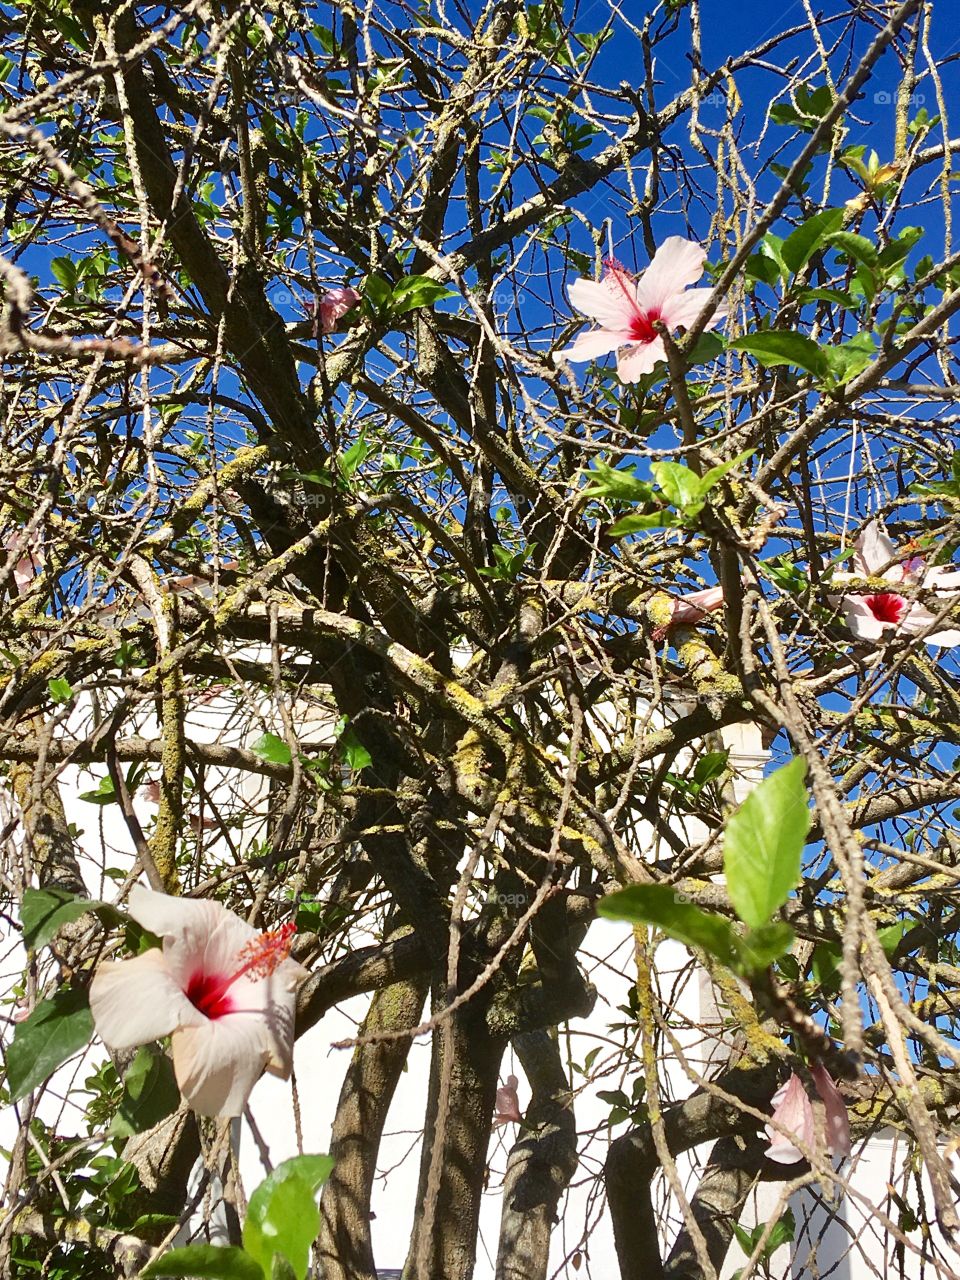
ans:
(919, 618)
(138, 1000)
(270, 1003)
(861, 620)
(943, 577)
(217, 1064)
(612, 308)
(793, 1112)
(635, 361)
(683, 308)
(596, 342)
(874, 551)
(199, 936)
(170, 917)
(692, 607)
(838, 1122)
(676, 264)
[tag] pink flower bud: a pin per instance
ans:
(508, 1104)
(335, 304)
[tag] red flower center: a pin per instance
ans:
(641, 326)
(886, 607)
(641, 322)
(210, 992)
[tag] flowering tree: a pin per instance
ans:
(527, 394)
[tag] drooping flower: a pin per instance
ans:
(691, 608)
(221, 990)
(871, 616)
(696, 605)
(29, 561)
(627, 307)
(335, 304)
(793, 1111)
(508, 1104)
(838, 1122)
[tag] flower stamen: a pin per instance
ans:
(261, 956)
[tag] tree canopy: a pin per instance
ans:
(303, 413)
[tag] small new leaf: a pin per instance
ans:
(272, 749)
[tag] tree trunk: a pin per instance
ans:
(541, 1164)
(473, 1067)
(729, 1176)
(368, 1089)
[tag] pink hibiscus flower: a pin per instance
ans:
(508, 1104)
(220, 989)
(870, 617)
(696, 605)
(335, 304)
(794, 1112)
(626, 307)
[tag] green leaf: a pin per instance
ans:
(206, 1262)
(60, 690)
(353, 458)
(783, 1233)
(65, 272)
(150, 1093)
(44, 911)
(56, 1029)
(802, 244)
(846, 361)
(760, 266)
(377, 291)
(759, 948)
(272, 749)
(824, 961)
(771, 247)
(707, 347)
(635, 523)
(679, 485)
(857, 247)
(710, 766)
(614, 1098)
(836, 296)
(660, 905)
(779, 347)
(622, 486)
(763, 843)
(283, 1217)
(104, 793)
(891, 937)
(716, 474)
(354, 752)
(417, 291)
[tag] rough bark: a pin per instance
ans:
(472, 1074)
(632, 1161)
(730, 1174)
(541, 1163)
(344, 1242)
